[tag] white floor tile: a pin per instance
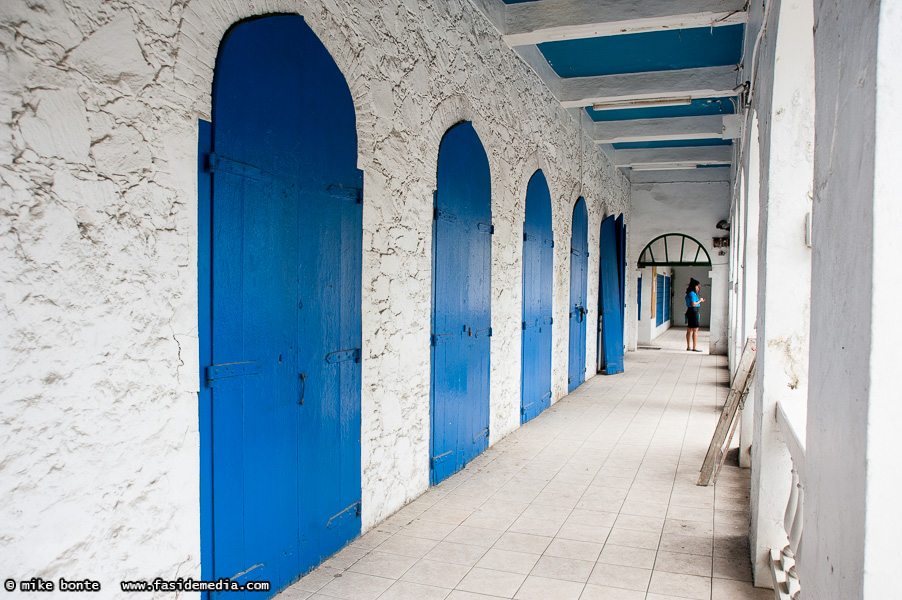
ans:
(594, 499)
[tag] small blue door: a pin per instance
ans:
(609, 293)
(535, 384)
(461, 302)
(579, 267)
(285, 270)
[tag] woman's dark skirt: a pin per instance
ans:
(692, 317)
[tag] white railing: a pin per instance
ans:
(791, 419)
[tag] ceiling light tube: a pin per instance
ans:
(643, 102)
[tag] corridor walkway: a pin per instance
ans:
(595, 499)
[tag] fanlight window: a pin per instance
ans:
(674, 250)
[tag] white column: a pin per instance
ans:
(736, 248)
(852, 520)
(750, 241)
(749, 299)
(784, 271)
(646, 325)
(720, 299)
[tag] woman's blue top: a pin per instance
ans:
(691, 300)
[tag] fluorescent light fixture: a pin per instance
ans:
(643, 102)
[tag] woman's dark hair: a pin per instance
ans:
(692, 283)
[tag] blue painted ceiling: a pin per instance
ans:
(643, 52)
(673, 144)
(649, 51)
(697, 108)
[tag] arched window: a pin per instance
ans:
(674, 250)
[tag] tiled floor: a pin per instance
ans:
(595, 499)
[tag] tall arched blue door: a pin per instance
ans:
(284, 374)
(579, 267)
(461, 302)
(535, 386)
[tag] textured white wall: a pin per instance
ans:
(98, 407)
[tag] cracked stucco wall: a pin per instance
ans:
(98, 282)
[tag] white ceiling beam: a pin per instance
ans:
(535, 59)
(654, 130)
(703, 82)
(590, 30)
(673, 157)
(536, 22)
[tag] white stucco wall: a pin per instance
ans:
(98, 408)
(689, 202)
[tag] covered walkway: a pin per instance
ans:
(595, 499)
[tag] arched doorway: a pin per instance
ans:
(282, 385)
(538, 259)
(461, 302)
(579, 267)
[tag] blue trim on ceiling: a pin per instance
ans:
(643, 52)
(697, 108)
(718, 166)
(673, 144)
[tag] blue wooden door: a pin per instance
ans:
(620, 229)
(668, 298)
(639, 298)
(659, 300)
(579, 267)
(286, 283)
(609, 293)
(535, 383)
(461, 302)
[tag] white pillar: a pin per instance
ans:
(720, 299)
(737, 231)
(784, 271)
(750, 241)
(629, 311)
(646, 325)
(748, 301)
(852, 520)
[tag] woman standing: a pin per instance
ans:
(692, 304)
